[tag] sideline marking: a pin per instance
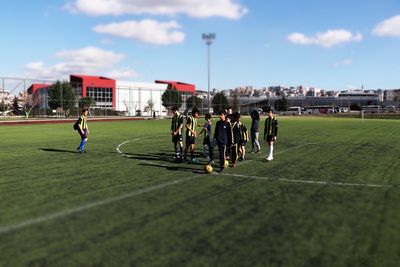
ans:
(307, 181)
(56, 215)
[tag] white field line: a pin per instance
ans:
(306, 181)
(118, 148)
(56, 215)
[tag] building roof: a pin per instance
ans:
(88, 80)
(180, 86)
(90, 77)
(36, 86)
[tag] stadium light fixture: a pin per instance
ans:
(208, 38)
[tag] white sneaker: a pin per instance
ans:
(270, 158)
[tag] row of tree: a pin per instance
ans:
(62, 97)
(219, 102)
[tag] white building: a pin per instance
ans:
(140, 97)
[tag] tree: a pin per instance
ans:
(149, 107)
(396, 95)
(194, 101)
(15, 106)
(86, 101)
(171, 97)
(281, 104)
(355, 106)
(235, 102)
(31, 102)
(61, 95)
(150, 104)
(3, 106)
(219, 102)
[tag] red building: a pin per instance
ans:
(185, 88)
(101, 89)
(36, 86)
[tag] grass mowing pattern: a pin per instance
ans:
(211, 219)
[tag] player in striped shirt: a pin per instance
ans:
(240, 137)
(176, 132)
(83, 130)
(270, 132)
(191, 134)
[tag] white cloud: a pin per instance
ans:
(89, 60)
(389, 27)
(193, 8)
(91, 57)
(343, 62)
(122, 74)
(326, 39)
(38, 70)
(106, 41)
(146, 31)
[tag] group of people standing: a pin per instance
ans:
(230, 136)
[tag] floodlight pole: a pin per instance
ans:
(208, 38)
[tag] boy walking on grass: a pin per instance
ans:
(83, 130)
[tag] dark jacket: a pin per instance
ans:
(255, 125)
(223, 133)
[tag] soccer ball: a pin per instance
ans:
(226, 164)
(208, 168)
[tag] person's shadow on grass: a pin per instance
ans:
(175, 167)
(58, 150)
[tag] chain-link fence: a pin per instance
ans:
(16, 97)
(30, 98)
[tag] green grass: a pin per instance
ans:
(104, 209)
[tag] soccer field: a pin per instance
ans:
(331, 197)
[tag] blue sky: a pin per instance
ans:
(327, 44)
